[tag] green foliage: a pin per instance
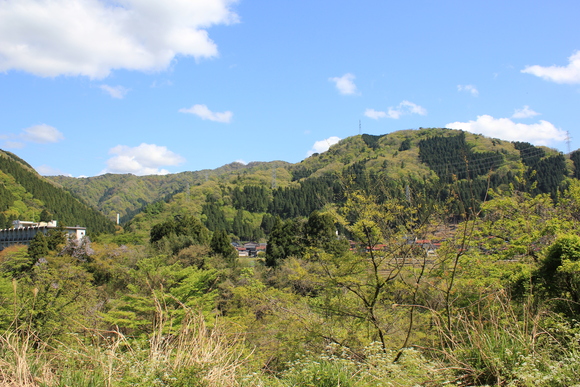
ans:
(283, 241)
(311, 194)
(443, 279)
(547, 172)
(575, 157)
(53, 299)
(405, 145)
(452, 158)
(55, 238)
(371, 141)
(220, 244)
(559, 273)
(64, 207)
(215, 216)
(15, 260)
(250, 198)
(38, 247)
(178, 233)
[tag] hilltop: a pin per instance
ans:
(428, 161)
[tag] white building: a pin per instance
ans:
(23, 232)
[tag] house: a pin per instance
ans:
(250, 249)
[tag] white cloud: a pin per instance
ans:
(241, 162)
(145, 159)
(162, 83)
(94, 37)
(375, 115)
(47, 170)
(559, 74)
(468, 88)
(13, 144)
(402, 109)
(205, 114)
(323, 145)
(42, 134)
(118, 92)
(345, 84)
(542, 133)
(524, 112)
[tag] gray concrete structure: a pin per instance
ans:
(23, 232)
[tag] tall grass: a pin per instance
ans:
(192, 355)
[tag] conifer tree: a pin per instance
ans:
(220, 244)
(38, 246)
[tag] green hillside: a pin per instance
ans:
(424, 257)
(245, 199)
(128, 194)
(26, 195)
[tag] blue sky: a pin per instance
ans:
(152, 87)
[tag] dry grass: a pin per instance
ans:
(108, 358)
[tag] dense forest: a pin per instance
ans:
(423, 257)
(27, 196)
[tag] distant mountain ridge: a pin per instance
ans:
(127, 194)
(406, 158)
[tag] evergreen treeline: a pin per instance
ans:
(547, 172)
(451, 158)
(311, 194)
(59, 203)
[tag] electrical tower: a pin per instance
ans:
(568, 141)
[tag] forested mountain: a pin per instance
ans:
(423, 257)
(127, 194)
(245, 199)
(26, 195)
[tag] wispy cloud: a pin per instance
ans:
(374, 114)
(525, 112)
(42, 134)
(92, 38)
(145, 159)
(542, 133)
(469, 89)
(560, 74)
(323, 145)
(47, 170)
(13, 144)
(395, 112)
(345, 84)
(118, 92)
(204, 113)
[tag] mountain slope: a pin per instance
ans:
(26, 195)
(434, 162)
(128, 194)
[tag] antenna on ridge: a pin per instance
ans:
(568, 140)
(359, 128)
